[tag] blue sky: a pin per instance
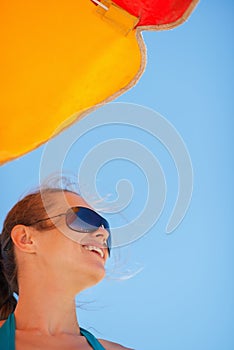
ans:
(183, 296)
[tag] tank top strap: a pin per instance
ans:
(96, 345)
(7, 334)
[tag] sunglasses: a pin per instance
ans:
(84, 220)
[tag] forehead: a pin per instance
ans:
(74, 199)
(60, 202)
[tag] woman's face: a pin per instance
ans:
(75, 263)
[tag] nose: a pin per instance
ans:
(102, 234)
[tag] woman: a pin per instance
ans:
(53, 246)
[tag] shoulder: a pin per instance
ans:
(109, 345)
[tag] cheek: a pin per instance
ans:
(67, 251)
(55, 248)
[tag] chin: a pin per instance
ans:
(97, 276)
(90, 277)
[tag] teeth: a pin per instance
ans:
(96, 249)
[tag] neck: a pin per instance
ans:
(48, 309)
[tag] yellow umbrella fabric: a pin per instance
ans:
(59, 58)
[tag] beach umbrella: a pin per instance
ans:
(61, 58)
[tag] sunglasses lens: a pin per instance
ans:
(86, 220)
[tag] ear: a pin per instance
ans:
(23, 238)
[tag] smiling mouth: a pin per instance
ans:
(95, 250)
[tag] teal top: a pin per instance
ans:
(7, 336)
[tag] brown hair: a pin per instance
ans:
(26, 212)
